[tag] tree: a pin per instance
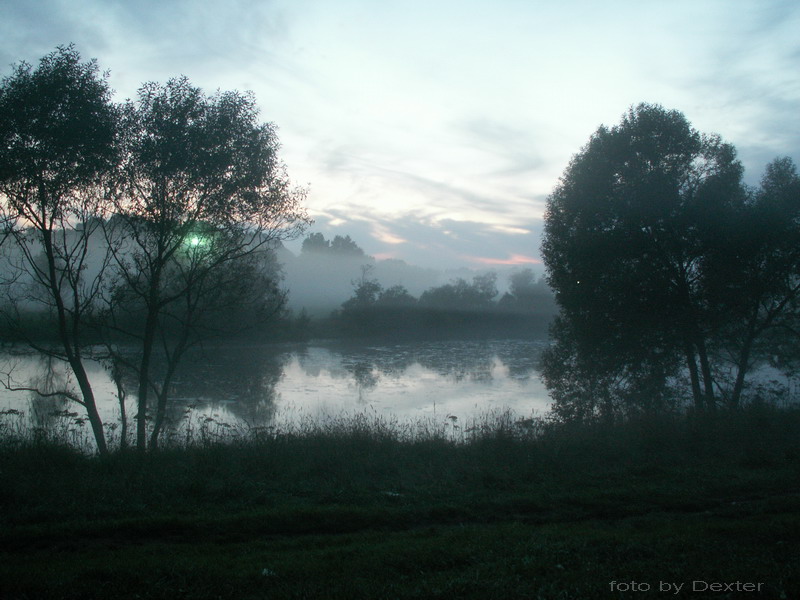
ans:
(526, 294)
(752, 274)
(58, 133)
(627, 233)
(201, 195)
(523, 283)
(461, 295)
(587, 382)
(396, 296)
(208, 301)
(344, 246)
(366, 290)
(339, 246)
(373, 310)
(315, 243)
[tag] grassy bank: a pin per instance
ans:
(369, 509)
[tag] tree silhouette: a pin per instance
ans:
(201, 194)
(752, 275)
(315, 243)
(627, 233)
(396, 296)
(340, 246)
(462, 295)
(526, 294)
(57, 152)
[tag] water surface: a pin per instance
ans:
(247, 386)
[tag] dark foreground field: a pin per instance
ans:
(362, 510)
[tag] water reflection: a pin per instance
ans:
(49, 376)
(47, 412)
(463, 377)
(237, 381)
(271, 384)
(454, 360)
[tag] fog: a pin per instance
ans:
(319, 282)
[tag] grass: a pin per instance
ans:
(363, 508)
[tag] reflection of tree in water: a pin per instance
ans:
(457, 360)
(241, 380)
(520, 357)
(48, 375)
(472, 360)
(343, 362)
(253, 387)
(364, 375)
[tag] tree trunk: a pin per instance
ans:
(161, 411)
(741, 369)
(691, 363)
(744, 355)
(71, 348)
(173, 359)
(144, 378)
(91, 406)
(705, 369)
(116, 375)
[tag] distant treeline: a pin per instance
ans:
(456, 309)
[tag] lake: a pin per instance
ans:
(256, 386)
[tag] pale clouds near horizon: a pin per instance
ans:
(433, 131)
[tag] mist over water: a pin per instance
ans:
(320, 282)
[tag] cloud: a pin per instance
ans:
(509, 149)
(511, 230)
(514, 259)
(370, 179)
(741, 80)
(216, 45)
(382, 233)
(434, 154)
(30, 30)
(439, 244)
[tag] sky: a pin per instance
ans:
(433, 131)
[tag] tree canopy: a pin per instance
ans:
(643, 236)
(341, 246)
(163, 211)
(200, 194)
(461, 295)
(58, 151)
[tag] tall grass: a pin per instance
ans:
(363, 506)
(366, 456)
